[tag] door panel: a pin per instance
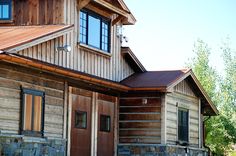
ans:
(81, 123)
(106, 109)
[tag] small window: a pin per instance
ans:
(5, 9)
(32, 112)
(183, 126)
(81, 119)
(94, 30)
(105, 123)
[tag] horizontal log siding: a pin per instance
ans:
(138, 122)
(184, 96)
(11, 79)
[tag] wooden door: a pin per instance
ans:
(106, 110)
(81, 122)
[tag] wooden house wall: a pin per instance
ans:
(182, 97)
(38, 12)
(83, 58)
(140, 122)
(12, 78)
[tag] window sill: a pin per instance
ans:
(6, 21)
(94, 50)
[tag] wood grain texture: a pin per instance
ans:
(11, 81)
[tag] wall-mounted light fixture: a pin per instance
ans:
(66, 48)
(144, 101)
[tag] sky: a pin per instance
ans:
(165, 31)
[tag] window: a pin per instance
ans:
(32, 112)
(183, 125)
(5, 9)
(94, 30)
(81, 119)
(105, 123)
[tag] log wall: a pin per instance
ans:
(140, 122)
(182, 97)
(11, 80)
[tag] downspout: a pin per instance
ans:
(204, 136)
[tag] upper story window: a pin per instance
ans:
(32, 112)
(183, 125)
(94, 30)
(5, 9)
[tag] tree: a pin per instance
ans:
(220, 130)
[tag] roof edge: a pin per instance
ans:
(128, 51)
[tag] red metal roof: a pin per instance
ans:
(13, 36)
(153, 79)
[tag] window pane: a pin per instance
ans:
(5, 11)
(183, 125)
(105, 123)
(83, 27)
(80, 119)
(28, 112)
(0, 11)
(37, 113)
(94, 32)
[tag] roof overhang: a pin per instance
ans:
(16, 38)
(123, 12)
(46, 67)
(132, 59)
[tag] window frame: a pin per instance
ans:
(181, 141)
(102, 20)
(10, 4)
(86, 119)
(101, 127)
(33, 93)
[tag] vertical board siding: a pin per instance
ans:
(38, 12)
(138, 122)
(112, 66)
(182, 97)
(11, 81)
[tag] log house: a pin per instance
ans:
(68, 87)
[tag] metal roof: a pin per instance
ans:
(13, 36)
(153, 79)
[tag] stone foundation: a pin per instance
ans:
(28, 146)
(158, 150)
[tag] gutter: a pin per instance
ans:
(61, 71)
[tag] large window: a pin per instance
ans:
(183, 124)
(5, 9)
(32, 112)
(94, 30)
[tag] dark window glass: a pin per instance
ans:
(183, 125)
(5, 9)
(105, 123)
(94, 30)
(80, 119)
(32, 112)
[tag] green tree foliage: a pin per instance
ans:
(221, 129)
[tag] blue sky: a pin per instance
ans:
(166, 30)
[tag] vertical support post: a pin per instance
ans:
(94, 126)
(116, 127)
(65, 109)
(199, 125)
(163, 119)
(69, 121)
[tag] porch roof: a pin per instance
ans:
(15, 36)
(164, 81)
